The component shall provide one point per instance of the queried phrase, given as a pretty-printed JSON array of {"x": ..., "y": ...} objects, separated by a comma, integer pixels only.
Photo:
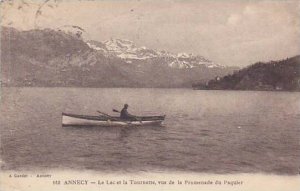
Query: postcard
[{"x": 150, "y": 95}]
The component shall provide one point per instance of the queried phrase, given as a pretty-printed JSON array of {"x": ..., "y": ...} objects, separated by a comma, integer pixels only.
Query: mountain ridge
[
  {"x": 128, "y": 51},
  {"x": 47, "y": 57}
]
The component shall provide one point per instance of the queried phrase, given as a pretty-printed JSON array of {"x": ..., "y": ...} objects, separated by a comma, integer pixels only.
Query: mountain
[
  {"x": 130, "y": 53},
  {"x": 281, "y": 75},
  {"x": 58, "y": 58}
]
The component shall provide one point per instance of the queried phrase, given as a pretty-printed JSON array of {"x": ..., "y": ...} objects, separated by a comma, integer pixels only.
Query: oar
[
  {"x": 117, "y": 111},
  {"x": 109, "y": 116},
  {"x": 105, "y": 114},
  {"x": 114, "y": 110}
]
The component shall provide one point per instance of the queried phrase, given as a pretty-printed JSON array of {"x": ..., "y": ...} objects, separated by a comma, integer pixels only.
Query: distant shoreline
[{"x": 188, "y": 88}]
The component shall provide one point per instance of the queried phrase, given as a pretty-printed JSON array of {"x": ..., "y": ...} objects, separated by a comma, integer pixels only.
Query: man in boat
[{"x": 125, "y": 115}]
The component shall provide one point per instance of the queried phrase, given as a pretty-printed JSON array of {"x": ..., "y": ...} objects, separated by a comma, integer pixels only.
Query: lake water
[{"x": 204, "y": 131}]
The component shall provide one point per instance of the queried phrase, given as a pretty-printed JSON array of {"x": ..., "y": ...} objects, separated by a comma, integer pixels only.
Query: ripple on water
[{"x": 200, "y": 133}]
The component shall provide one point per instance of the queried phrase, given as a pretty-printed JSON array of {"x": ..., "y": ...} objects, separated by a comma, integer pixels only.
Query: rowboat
[{"x": 106, "y": 121}]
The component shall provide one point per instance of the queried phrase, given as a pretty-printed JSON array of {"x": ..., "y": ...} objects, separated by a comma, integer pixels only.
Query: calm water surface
[{"x": 205, "y": 131}]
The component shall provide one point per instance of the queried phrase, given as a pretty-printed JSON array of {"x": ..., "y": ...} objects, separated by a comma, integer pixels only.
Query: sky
[{"x": 228, "y": 32}]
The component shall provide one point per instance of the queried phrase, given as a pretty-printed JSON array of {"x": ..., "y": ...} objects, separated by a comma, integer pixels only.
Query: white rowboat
[{"x": 105, "y": 121}]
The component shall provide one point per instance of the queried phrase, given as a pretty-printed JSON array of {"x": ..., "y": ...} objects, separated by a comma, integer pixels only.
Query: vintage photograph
[{"x": 156, "y": 90}]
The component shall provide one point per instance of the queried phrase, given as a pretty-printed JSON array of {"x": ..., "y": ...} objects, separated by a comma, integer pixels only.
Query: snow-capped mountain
[
  {"x": 60, "y": 58},
  {"x": 123, "y": 49},
  {"x": 130, "y": 53}
]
